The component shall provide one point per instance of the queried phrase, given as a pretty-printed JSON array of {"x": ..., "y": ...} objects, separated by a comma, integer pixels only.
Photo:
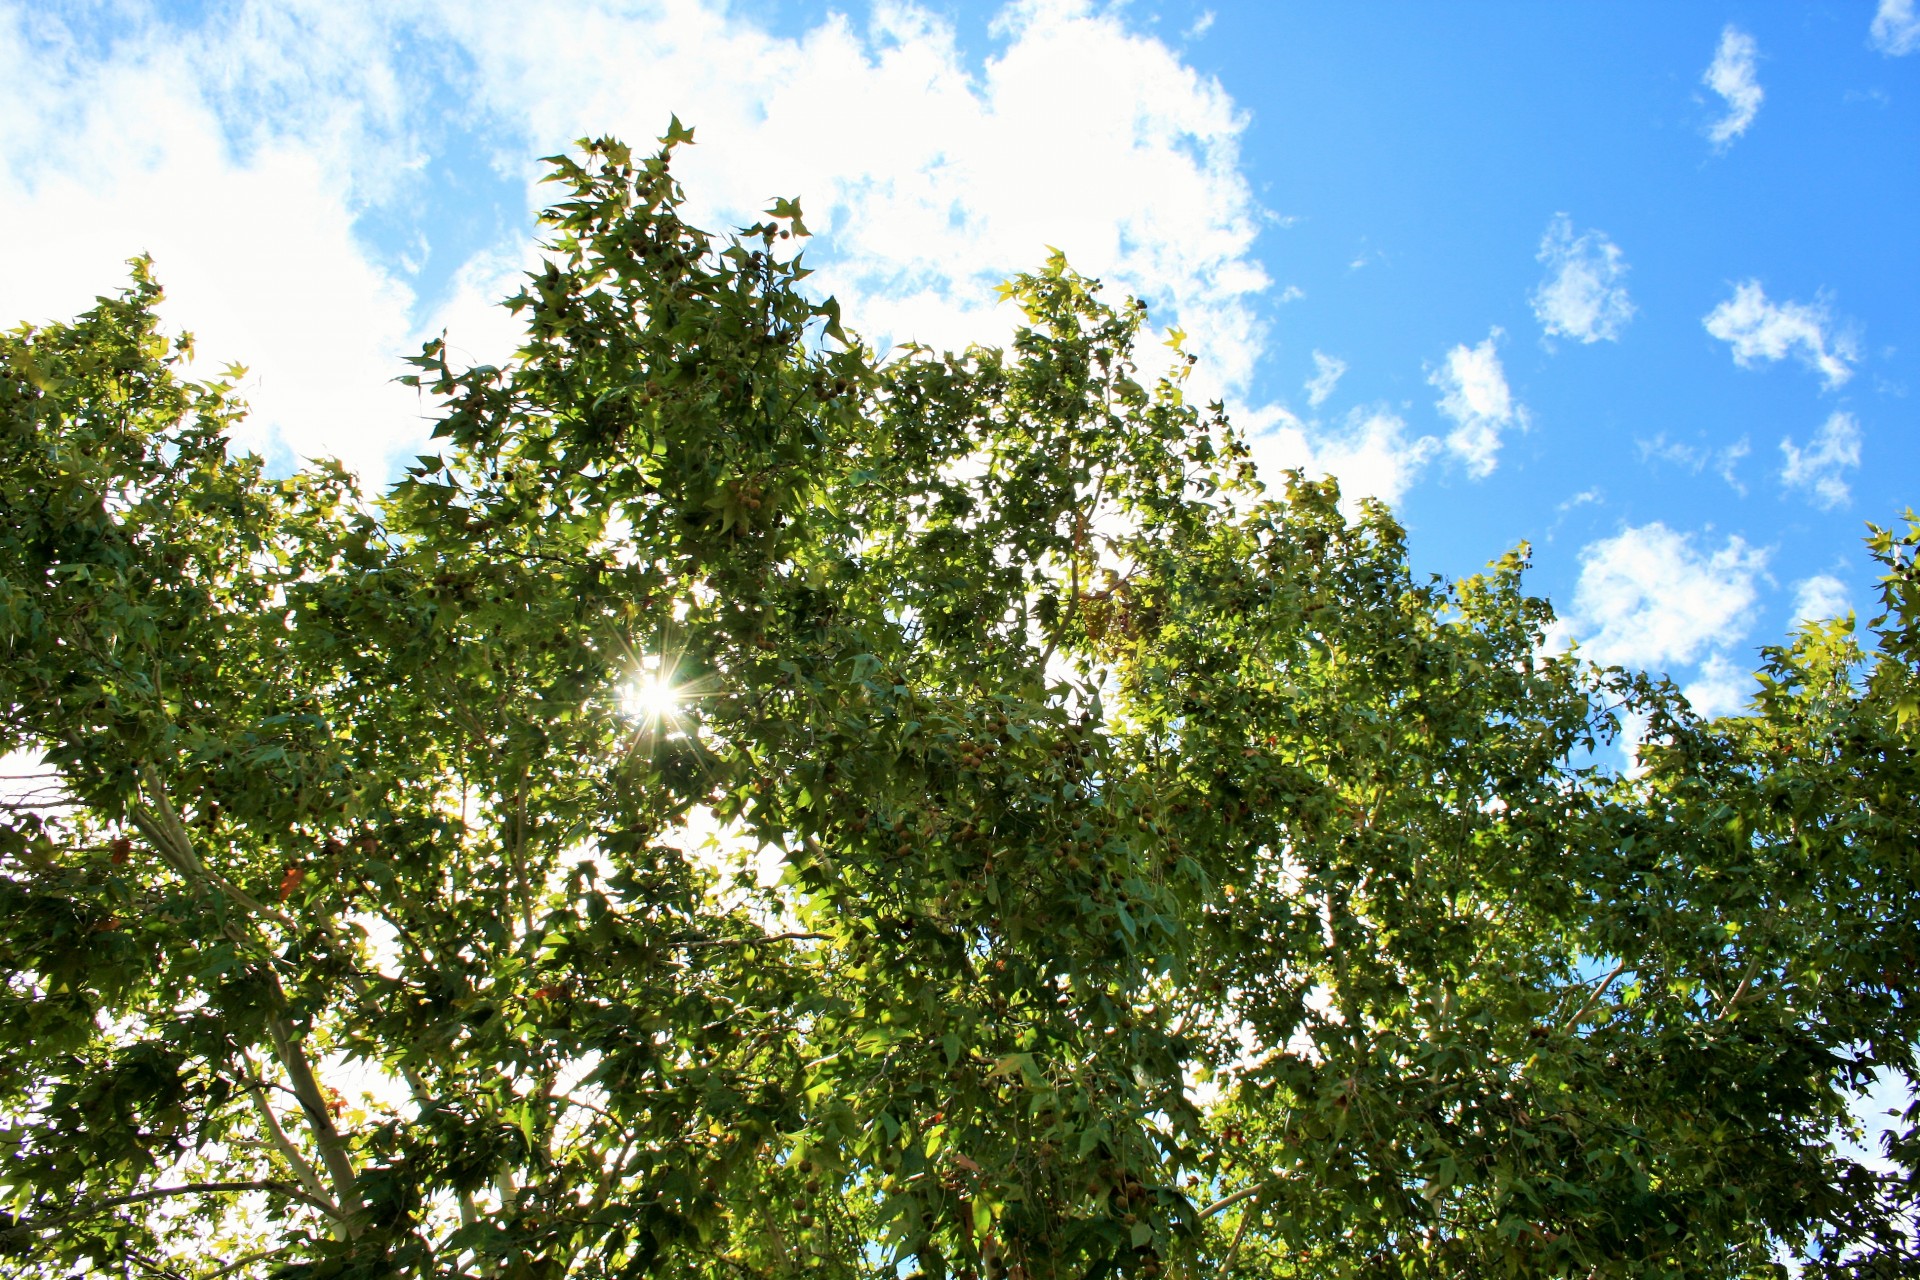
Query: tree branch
[
  {"x": 169, "y": 835},
  {"x": 238, "y": 1263},
  {"x": 1753, "y": 967},
  {"x": 1592, "y": 997},
  {"x": 745, "y": 942},
  {"x": 302, "y": 1168},
  {"x": 151, "y": 1265},
  {"x": 1227, "y": 1202},
  {"x": 1233, "y": 1250},
  {"x": 28, "y": 1226},
  {"x": 333, "y": 1152},
  {"x": 520, "y": 854}
]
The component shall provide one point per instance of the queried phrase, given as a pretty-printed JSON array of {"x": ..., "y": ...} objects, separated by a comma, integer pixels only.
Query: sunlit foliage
[{"x": 745, "y": 807}]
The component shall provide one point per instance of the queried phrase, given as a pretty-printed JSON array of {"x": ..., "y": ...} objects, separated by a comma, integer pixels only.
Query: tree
[{"x": 745, "y": 808}]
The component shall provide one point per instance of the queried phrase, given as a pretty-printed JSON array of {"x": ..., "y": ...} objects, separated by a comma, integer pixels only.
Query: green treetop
[{"x": 1154, "y": 877}]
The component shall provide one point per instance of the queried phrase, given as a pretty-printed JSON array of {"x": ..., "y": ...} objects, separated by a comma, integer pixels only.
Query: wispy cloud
[
  {"x": 1661, "y": 449},
  {"x": 1328, "y": 370},
  {"x": 1583, "y": 296},
  {"x": 1896, "y": 28},
  {"x": 1734, "y": 76},
  {"x": 1761, "y": 330},
  {"x": 1819, "y": 469},
  {"x": 1727, "y": 462},
  {"x": 1475, "y": 395},
  {"x": 1696, "y": 458},
  {"x": 1649, "y": 597},
  {"x": 1819, "y": 598},
  {"x": 1583, "y": 498}
]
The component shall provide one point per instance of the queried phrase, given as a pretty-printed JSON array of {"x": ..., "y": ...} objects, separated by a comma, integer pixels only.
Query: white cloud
[
  {"x": 247, "y": 154},
  {"x": 1647, "y": 597},
  {"x": 1728, "y": 459},
  {"x": 1733, "y": 76},
  {"x": 1633, "y": 740},
  {"x": 1820, "y": 597},
  {"x": 1328, "y": 370},
  {"x": 1583, "y": 296},
  {"x": 1078, "y": 133},
  {"x": 1819, "y": 468},
  {"x": 1722, "y": 687},
  {"x": 1370, "y": 451},
  {"x": 1896, "y": 28},
  {"x": 1661, "y": 449},
  {"x": 254, "y": 243},
  {"x": 1476, "y": 397},
  {"x": 1581, "y": 499},
  {"x": 1761, "y": 330}
]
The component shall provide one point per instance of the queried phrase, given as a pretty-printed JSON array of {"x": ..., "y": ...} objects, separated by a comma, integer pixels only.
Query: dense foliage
[{"x": 745, "y": 808}]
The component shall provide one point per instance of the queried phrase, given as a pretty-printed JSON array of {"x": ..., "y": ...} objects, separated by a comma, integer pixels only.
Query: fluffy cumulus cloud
[
  {"x": 1650, "y": 597},
  {"x": 1584, "y": 294},
  {"x": 1721, "y": 688},
  {"x": 1474, "y": 394},
  {"x": 1819, "y": 598},
  {"x": 1327, "y": 372},
  {"x": 1369, "y": 450},
  {"x": 253, "y": 238},
  {"x": 1896, "y": 28},
  {"x": 1819, "y": 470},
  {"x": 1734, "y": 75},
  {"x": 252, "y": 157},
  {"x": 1761, "y": 330},
  {"x": 926, "y": 180}
]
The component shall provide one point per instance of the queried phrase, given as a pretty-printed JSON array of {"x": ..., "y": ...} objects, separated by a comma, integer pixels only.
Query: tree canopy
[{"x": 747, "y": 808}]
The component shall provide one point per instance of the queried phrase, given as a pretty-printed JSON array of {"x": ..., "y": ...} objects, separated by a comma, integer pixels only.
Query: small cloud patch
[
  {"x": 1734, "y": 76},
  {"x": 1819, "y": 598},
  {"x": 1370, "y": 451},
  {"x": 1328, "y": 370},
  {"x": 1475, "y": 395},
  {"x": 1896, "y": 28},
  {"x": 1650, "y": 597},
  {"x": 1819, "y": 470},
  {"x": 1760, "y": 330},
  {"x": 1584, "y": 295}
]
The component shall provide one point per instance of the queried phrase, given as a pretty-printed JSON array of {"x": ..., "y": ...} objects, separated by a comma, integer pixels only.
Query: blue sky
[{"x": 1634, "y": 282}]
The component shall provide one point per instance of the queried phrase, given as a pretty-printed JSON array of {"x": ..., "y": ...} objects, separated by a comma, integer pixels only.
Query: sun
[{"x": 651, "y": 697}]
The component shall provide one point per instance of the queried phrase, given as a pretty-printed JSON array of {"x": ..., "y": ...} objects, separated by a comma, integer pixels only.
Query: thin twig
[
  {"x": 238, "y": 1263},
  {"x": 745, "y": 942},
  {"x": 151, "y": 1265}
]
